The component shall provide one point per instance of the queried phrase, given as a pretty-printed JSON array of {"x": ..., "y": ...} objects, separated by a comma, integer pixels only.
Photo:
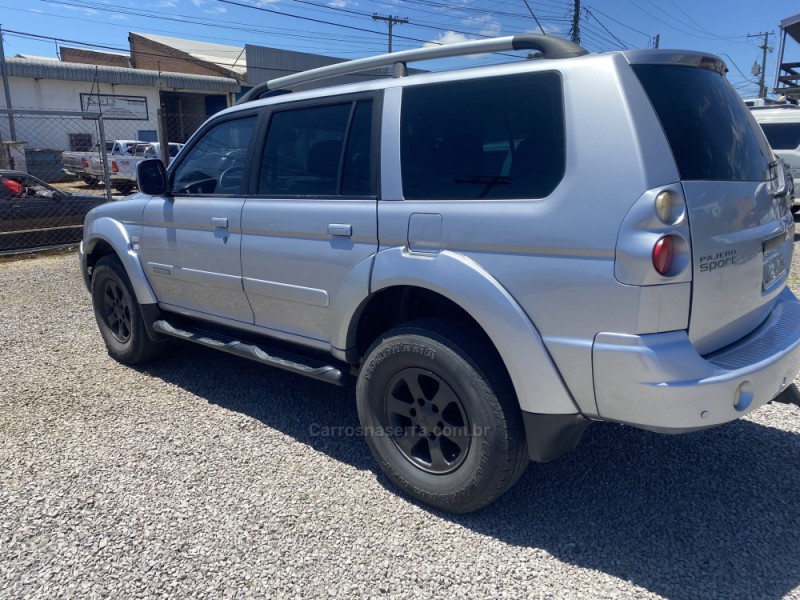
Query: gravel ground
[{"x": 202, "y": 475}]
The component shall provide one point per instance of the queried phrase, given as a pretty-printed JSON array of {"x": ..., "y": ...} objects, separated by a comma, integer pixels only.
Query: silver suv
[{"x": 502, "y": 255}]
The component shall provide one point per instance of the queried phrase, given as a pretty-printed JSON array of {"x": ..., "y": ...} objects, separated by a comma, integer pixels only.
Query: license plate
[{"x": 774, "y": 267}]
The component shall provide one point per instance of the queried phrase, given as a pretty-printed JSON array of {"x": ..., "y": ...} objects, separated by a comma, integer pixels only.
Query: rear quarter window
[
  {"x": 499, "y": 137},
  {"x": 782, "y": 136},
  {"x": 711, "y": 132}
]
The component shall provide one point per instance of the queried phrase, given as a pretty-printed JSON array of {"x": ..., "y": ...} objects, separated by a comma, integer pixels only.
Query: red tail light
[
  {"x": 85, "y": 162},
  {"x": 663, "y": 253},
  {"x": 114, "y": 166}
]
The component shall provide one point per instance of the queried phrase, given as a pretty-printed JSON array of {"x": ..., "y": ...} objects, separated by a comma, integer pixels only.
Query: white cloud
[
  {"x": 86, "y": 11},
  {"x": 216, "y": 10},
  {"x": 549, "y": 28},
  {"x": 339, "y": 3},
  {"x": 198, "y": 2},
  {"x": 488, "y": 25},
  {"x": 449, "y": 37},
  {"x": 116, "y": 17},
  {"x": 167, "y": 4}
]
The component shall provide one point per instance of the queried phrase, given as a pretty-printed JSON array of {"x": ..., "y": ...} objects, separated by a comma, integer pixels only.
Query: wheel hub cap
[
  {"x": 427, "y": 421},
  {"x": 117, "y": 311}
]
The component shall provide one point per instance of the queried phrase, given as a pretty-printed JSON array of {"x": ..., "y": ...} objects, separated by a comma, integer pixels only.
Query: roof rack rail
[{"x": 550, "y": 47}]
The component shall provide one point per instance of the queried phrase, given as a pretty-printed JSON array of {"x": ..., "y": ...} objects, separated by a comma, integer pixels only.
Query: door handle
[
  {"x": 340, "y": 229},
  {"x": 219, "y": 222}
]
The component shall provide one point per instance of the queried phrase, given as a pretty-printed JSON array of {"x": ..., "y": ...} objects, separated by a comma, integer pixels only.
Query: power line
[
  {"x": 668, "y": 24},
  {"x": 647, "y": 35},
  {"x": 589, "y": 13},
  {"x": 185, "y": 19},
  {"x": 534, "y": 16}
]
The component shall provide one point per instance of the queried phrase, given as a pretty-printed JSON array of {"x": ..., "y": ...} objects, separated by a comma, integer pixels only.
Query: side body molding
[
  {"x": 536, "y": 380},
  {"x": 114, "y": 233}
]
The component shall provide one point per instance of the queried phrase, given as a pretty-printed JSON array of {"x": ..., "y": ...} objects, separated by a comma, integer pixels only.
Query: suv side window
[
  {"x": 303, "y": 152},
  {"x": 782, "y": 136},
  {"x": 215, "y": 164},
  {"x": 489, "y": 138}
]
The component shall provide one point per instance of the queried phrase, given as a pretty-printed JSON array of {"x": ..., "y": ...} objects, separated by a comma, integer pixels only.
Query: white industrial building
[{"x": 128, "y": 99}]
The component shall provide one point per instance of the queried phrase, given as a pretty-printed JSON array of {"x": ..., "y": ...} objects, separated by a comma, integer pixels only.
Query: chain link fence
[{"x": 55, "y": 166}]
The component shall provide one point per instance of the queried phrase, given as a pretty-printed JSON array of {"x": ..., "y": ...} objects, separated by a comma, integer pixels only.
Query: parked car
[
  {"x": 117, "y": 152},
  {"x": 34, "y": 214},
  {"x": 88, "y": 165},
  {"x": 153, "y": 150},
  {"x": 77, "y": 164},
  {"x": 502, "y": 255},
  {"x": 123, "y": 168},
  {"x": 781, "y": 124}
]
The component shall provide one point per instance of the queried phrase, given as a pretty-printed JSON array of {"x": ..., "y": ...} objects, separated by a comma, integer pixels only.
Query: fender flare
[
  {"x": 114, "y": 234},
  {"x": 536, "y": 379}
]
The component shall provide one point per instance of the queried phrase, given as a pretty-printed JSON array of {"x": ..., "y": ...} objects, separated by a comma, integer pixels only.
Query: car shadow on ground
[{"x": 707, "y": 514}]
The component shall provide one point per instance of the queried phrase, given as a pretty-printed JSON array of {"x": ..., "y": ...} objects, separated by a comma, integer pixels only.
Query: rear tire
[
  {"x": 118, "y": 315},
  {"x": 440, "y": 415}
]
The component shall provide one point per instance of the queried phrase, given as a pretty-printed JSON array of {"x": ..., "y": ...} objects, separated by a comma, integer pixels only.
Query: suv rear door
[
  {"x": 741, "y": 231},
  {"x": 310, "y": 227}
]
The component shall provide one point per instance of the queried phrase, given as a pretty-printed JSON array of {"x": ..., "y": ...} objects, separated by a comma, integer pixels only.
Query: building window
[
  {"x": 80, "y": 142},
  {"x": 147, "y": 135}
]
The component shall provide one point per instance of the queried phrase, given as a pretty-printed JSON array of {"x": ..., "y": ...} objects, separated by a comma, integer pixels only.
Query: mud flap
[{"x": 791, "y": 395}]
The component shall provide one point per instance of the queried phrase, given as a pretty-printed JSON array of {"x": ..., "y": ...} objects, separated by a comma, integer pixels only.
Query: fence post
[
  {"x": 4, "y": 67},
  {"x": 163, "y": 140},
  {"x": 104, "y": 157}
]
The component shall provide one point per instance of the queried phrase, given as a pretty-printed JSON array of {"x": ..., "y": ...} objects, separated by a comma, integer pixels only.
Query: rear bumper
[{"x": 660, "y": 382}]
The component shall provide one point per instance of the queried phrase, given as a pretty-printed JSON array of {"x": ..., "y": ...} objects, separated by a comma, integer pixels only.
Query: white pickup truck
[
  {"x": 123, "y": 168},
  {"x": 88, "y": 164}
]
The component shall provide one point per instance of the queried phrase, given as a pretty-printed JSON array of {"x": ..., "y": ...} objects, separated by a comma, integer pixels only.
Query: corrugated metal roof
[
  {"x": 264, "y": 64},
  {"x": 37, "y": 69},
  {"x": 228, "y": 57}
]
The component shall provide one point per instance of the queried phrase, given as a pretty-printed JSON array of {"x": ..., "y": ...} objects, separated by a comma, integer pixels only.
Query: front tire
[
  {"x": 118, "y": 315},
  {"x": 440, "y": 415}
]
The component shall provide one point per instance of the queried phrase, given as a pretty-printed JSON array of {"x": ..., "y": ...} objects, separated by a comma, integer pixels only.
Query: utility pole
[
  {"x": 576, "y": 23},
  {"x": 657, "y": 41},
  {"x": 4, "y": 69},
  {"x": 391, "y": 20},
  {"x": 762, "y": 88}
]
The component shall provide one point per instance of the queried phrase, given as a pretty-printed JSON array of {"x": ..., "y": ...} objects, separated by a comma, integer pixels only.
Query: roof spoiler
[{"x": 550, "y": 47}]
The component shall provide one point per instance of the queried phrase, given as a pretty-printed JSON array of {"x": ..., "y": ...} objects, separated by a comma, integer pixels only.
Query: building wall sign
[{"x": 122, "y": 108}]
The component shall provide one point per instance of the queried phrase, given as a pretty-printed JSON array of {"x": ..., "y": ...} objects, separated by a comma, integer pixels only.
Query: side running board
[{"x": 273, "y": 358}]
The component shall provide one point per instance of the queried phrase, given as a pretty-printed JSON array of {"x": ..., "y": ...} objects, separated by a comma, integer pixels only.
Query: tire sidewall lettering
[{"x": 395, "y": 349}]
